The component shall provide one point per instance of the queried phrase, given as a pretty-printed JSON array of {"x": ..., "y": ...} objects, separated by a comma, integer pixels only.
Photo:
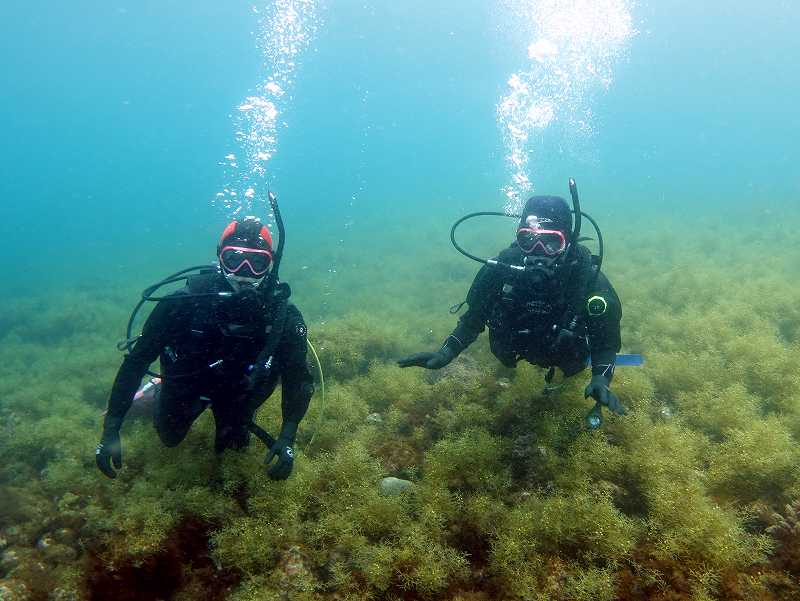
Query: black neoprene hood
[{"x": 553, "y": 208}]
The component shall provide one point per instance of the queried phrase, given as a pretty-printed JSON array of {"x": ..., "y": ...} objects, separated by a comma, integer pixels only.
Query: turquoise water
[{"x": 115, "y": 118}]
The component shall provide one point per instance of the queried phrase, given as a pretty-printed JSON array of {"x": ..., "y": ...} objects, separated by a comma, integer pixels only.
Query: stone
[
  {"x": 464, "y": 370},
  {"x": 391, "y": 486}
]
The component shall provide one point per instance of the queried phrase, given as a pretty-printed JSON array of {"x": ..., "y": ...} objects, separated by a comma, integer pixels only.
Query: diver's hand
[
  {"x": 282, "y": 449},
  {"x": 599, "y": 391},
  {"x": 109, "y": 449},
  {"x": 435, "y": 360}
]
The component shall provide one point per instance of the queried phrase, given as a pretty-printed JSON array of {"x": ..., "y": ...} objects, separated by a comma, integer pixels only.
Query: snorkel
[
  {"x": 576, "y": 209},
  {"x": 276, "y": 212}
]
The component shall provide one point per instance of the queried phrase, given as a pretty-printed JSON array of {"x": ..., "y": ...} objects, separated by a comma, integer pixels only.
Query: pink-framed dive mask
[
  {"x": 533, "y": 239},
  {"x": 245, "y": 262}
]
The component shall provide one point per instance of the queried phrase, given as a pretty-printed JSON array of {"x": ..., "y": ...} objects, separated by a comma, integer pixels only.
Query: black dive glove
[
  {"x": 282, "y": 449},
  {"x": 599, "y": 391},
  {"x": 109, "y": 449},
  {"x": 435, "y": 360}
]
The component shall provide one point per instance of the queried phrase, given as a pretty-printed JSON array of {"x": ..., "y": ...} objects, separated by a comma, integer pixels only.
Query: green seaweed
[{"x": 684, "y": 498}]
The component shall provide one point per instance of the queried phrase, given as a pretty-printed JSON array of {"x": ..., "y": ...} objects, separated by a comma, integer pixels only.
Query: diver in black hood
[
  {"x": 545, "y": 301},
  {"x": 224, "y": 341}
]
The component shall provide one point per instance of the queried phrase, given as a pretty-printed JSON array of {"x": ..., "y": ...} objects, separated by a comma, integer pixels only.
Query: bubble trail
[
  {"x": 285, "y": 30},
  {"x": 573, "y": 47}
]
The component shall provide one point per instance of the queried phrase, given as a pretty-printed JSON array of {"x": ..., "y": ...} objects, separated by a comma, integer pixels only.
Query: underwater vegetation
[{"x": 694, "y": 495}]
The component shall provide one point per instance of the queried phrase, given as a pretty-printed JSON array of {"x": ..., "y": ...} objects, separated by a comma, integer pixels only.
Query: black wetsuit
[
  {"x": 547, "y": 324},
  {"x": 224, "y": 352}
]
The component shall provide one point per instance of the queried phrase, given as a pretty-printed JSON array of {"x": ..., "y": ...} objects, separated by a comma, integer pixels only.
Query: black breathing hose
[
  {"x": 147, "y": 295},
  {"x": 576, "y": 232},
  {"x": 470, "y": 216}
]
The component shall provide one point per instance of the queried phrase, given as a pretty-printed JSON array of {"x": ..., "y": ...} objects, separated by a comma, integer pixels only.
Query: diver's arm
[
  {"x": 133, "y": 368},
  {"x": 469, "y": 327},
  {"x": 297, "y": 388},
  {"x": 134, "y": 365},
  {"x": 604, "y": 327},
  {"x": 297, "y": 385},
  {"x": 479, "y": 297},
  {"x": 604, "y": 312}
]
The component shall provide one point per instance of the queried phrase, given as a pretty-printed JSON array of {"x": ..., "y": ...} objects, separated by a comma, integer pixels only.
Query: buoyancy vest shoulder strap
[
  {"x": 577, "y": 288},
  {"x": 280, "y": 310}
]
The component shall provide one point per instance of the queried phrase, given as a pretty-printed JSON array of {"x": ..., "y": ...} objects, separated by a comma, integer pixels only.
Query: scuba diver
[
  {"x": 545, "y": 301},
  {"x": 224, "y": 341}
]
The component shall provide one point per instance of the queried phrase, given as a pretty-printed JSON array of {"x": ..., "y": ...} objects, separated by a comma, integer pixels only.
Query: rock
[
  {"x": 504, "y": 382},
  {"x": 464, "y": 370},
  {"x": 391, "y": 486},
  {"x": 665, "y": 412},
  {"x": 374, "y": 418}
]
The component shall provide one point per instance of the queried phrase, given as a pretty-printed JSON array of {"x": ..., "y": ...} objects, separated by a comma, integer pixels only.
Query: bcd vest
[
  {"x": 543, "y": 324},
  {"x": 225, "y": 334}
]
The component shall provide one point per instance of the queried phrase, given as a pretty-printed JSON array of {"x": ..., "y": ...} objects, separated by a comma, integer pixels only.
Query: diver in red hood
[{"x": 224, "y": 340}]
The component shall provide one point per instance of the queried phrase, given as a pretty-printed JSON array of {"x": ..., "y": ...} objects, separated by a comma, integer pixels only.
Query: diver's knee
[
  {"x": 572, "y": 369},
  {"x": 170, "y": 438}
]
